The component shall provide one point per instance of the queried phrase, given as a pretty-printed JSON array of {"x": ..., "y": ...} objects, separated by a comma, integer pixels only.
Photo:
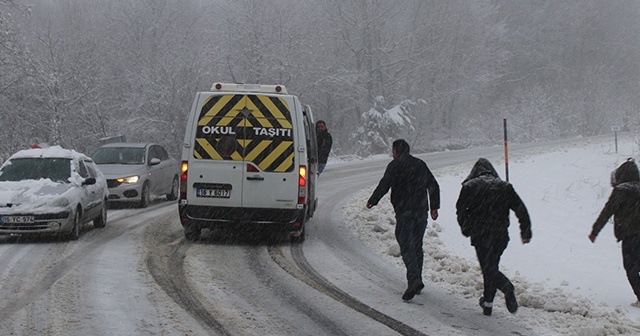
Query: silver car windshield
[
  {"x": 119, "y": 155},
  {"x": 56, "y": 169}
]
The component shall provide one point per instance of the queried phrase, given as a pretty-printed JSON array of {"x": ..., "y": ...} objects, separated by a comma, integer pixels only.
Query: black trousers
[
  {"x": 631, "y": 261},
  {"x": 410, "y": 228},
  {"x": 489, "y": 250}
]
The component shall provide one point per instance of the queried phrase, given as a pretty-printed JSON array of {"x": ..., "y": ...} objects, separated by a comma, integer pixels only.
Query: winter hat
[{"x": 627, "y": 172}]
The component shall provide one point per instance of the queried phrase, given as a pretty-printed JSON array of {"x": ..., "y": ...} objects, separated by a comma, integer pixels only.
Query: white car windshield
[
  {"x": 19, "y": 169},
  {"x": 119, "y": 155}
]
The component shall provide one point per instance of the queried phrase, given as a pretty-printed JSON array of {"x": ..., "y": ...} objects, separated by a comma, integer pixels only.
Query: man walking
[
  {"x": 483, "y": 214},
  {"x": 325, "y": 141},
  {"x": 412, "y": 186}
]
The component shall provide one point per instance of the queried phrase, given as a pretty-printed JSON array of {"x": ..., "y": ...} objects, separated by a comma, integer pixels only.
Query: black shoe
[
  {"x": 420, "y": 287},
  {"x": 485, "y": 310},
  {"x": 412, "y": 290},
  {"x": 512, "y": 303}
]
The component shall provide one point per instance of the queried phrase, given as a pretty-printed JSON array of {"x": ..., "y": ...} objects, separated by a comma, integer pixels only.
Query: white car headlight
[{"x": 130, "y": 179}]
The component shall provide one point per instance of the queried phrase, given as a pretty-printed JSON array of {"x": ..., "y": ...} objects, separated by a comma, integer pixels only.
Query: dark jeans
[
  {"x": 489, "y": 251},
  {"x": 631, "y": 261},
  {"x": 410, "y": 228}
]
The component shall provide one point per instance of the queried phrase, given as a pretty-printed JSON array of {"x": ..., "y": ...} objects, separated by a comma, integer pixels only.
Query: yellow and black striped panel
[{"x": 252, "y": 128}]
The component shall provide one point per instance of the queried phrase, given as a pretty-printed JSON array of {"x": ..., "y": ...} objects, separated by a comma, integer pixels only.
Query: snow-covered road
[{"x": 138, "y": 276}]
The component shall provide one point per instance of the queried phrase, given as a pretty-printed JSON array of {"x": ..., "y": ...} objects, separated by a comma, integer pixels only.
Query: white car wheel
[
  {"x": 101, "y": 220},
  {"x": 75, "y": 231}
]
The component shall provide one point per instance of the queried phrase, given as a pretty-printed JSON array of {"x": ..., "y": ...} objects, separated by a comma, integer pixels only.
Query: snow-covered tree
[
  {"x": 380, "y": 126},
  {"x": 75, "y": 71}
]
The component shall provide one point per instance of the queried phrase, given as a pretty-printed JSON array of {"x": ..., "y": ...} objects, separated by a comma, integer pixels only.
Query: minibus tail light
[
  {"x": 184, "y": 169},
  {"x": 302, "y": 185}
]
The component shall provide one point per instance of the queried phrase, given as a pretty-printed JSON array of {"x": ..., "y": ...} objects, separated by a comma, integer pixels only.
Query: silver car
[
  {"x": 51, "y": 191},
  {"x": 138, "y": 172}
]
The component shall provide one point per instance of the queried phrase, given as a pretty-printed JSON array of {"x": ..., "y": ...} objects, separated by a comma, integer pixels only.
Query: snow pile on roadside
[{"x": 545, "y": 307}]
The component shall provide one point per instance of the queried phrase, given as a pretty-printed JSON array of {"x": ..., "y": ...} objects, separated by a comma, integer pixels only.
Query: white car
[
  {"x": 51, "y": 191},
  {"x": 138, "y": 172}
]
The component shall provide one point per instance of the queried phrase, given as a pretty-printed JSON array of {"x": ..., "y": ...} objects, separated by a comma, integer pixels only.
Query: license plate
[
  {"x": 17, "y": 219},
  {"x": 220, "y": 193}
]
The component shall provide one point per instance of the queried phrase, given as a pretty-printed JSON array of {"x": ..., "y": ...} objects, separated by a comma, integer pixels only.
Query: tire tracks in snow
[
  {"x": 60, "y": 264},
  {"x": 259, "y": 268},
  {"x": 166, "y": 259},
  {"x": 304, "y": 272},
  {"x": 165, "y": 262}
]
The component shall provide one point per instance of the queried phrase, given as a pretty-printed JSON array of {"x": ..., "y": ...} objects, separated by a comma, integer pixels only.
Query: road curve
[{"x": 139, "y": 276}]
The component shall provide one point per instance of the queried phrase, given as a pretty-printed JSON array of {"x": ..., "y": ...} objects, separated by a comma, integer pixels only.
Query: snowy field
[{"x": 565, "y": 284}]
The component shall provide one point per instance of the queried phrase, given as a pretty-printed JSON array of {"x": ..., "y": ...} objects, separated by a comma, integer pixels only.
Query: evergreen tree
[{"x": 380, "y": 126}]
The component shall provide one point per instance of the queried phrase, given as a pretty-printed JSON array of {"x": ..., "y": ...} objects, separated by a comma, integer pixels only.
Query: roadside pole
[
  {"x": 615, "y": 127},
  {"x": 506, "y": 149}
]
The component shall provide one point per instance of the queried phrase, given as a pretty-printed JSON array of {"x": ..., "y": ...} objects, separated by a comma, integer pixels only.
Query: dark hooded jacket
[
  {"x": 623, "y": 203},
  {"x": 484, "y": 204},
  {"x": 325, "y": 141},
  {"x": 410, "y": 180}
]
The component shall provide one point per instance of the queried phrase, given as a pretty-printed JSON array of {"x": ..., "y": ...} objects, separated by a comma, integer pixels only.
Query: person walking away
[
  {"x": 624, "y": 206},
  {"x": 325, "y": 141},
  {"x": 482, "y": 211},
  {"x": 410, "y": 181}
]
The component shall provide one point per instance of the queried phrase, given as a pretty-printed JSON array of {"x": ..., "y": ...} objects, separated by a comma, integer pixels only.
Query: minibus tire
[{"x": 191, "y": 233}]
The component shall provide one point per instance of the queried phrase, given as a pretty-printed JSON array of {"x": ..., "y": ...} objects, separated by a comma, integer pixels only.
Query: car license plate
[
  {"x": 17, "y": 219},
  {"x": 220, "y": 193}
]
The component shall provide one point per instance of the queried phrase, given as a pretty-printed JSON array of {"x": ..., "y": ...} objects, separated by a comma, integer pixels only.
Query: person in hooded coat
[
  {"x": 624, "y": 206},
  {"x": 412, "y": 186},
  {"x": 482, "y": 211},
  {"x": 325, "y": 141}
]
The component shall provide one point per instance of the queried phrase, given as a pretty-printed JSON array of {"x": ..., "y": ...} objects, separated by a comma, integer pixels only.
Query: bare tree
[
  {"x": 11, "y": 73},
  {"x": 160, "y": 55},
  {"x": 78, "y": 71},
  {"x": 64, "y": 71}
]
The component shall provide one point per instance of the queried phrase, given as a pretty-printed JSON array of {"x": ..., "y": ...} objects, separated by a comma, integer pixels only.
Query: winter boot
[
  {"x": 487, "y": 307},
  {"x": 512, "y": 303},
  {"x": 412, "y": 290}
]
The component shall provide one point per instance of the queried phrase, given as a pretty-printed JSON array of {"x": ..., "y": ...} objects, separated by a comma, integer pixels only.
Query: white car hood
[
  {"x": 112, "y": 171},
  {"x": 35, "y": 196}
]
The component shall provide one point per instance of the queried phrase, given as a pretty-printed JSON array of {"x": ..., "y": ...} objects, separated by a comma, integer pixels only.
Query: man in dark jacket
[
  {"x": 325, "y": 141},
  {"x": 483, "y": 214},
  {"x": 410, "y": 181},
  {"x": 624, "y": 206}
]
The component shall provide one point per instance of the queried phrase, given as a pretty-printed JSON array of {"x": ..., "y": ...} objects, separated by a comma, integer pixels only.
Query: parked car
[
  {"x": 51, "y": 191},
  {"x": 138, "y": 172}
]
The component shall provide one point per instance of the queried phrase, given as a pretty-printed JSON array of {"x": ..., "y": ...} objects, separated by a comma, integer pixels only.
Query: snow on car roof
[
  {"x": 127, "y": 144},
  {"x": 49, "y": 152}
]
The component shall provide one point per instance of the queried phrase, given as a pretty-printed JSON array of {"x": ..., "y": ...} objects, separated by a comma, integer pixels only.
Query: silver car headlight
[{"x": 130, "y": 179}]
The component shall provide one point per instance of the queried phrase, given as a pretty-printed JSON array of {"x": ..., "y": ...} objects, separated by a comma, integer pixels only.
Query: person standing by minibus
[{"x": 325, "y": 141}]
